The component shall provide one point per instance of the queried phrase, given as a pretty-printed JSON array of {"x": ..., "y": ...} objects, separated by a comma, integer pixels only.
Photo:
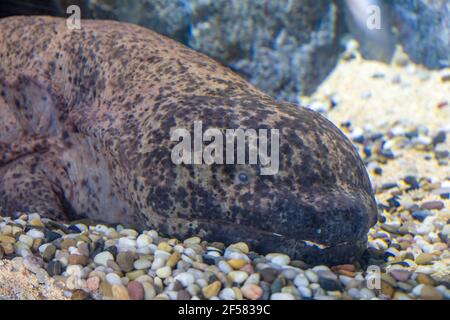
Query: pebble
[
  {"x": 164, "y": 272},
  {"x": 113, "y": 278},
  {"x": 136, "y": 290},
  {"x": 119, "y": 292},
  {"x": 227, "y": 294},
  {"x": 400, "y": 274},
  {"x": 125, "y": 260},
  {"x": 237, "y": 276},
  {"x": 237, "y": 263},
  {"x": 269, "y": 274},
  {"x": 282, "y": 296},
  {"x": 93, "y": 283},
  {"x": 424, "y": 258},
  {"x": 103, "y": 257},
  {"x": 427, "y": 292},
  {"x": 211, "y": 290},
  {"x": 277, "y": 258},
  {"x": 77, "y": 259},
  {"x": 185, "y": 279},
  {"x": 252, "y": 291}
]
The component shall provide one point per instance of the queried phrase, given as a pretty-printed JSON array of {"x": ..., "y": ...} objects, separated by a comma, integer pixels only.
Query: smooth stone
[
  {"x": 301, "y": 280},
  {"x": 253, "y": 279},
  {"x": 119, "y": 292},
  {"x": 211, "y": 290},
  {"x": 227, "y": 294},
  {"x": 192, "y": 240},
  {"x": 103, "y": 257},
  {"x": 432, "y": 205},
  {"x": 427, "y": 292},
  {"x": 79, "y": 295},
  {"x": 224, "y": 267},
  {"x": 305, "y": 292},
  {"x": 241, "y": 246},
  {"x": 143, "y": 241},
  {"x": 7, "y": 239},
  {"x": 424, "y": 258},
  {"x": 237, "y": 276},
  {"x": 366, "y": 294},
  {"x": 387, "y": 289},
  {"x": 282, "y": 296},
  {"x": 252, "y": 291},
  {"x": 133, "y": 275},
  {"x": 425, "y": 279},
  {"x": 149, "y": 290},
  {"x": 278, "y": 258},
  {"x": 78, "y": 259},
  {"x": 183, "y": 295},
  {"x": 185, "y": 279},
  {"x": 312, "y": 276},
  {"x": 269, "y": 274},
  {"x": 125, "y": 260},
  {"x": 400, "y": 274},
  {"x": 164, "y": 272},
  {"x": 289, "y": 274},
  {"x": 93, "y": 283},
  {"x": 141, "y": 264},
  {"x": 49, "y": 253},
  {"x": 26, "y": 239},
  {"x": 173, "y": 259},
  {"x": 67, "y": 243},
  {"x": 113, "y": 278},
  {"x": 237, "y": 263},
  {"x": 136, "y": 290},
  {"x": 54, "y": 268},
  {"x": 35, "y": 234},
  {"x": 330, "y": 283}
]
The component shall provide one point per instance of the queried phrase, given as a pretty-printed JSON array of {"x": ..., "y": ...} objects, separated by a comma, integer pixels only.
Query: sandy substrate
[
  {"x": 377, "y": 95},
  {"x": 20, "y": 284}
]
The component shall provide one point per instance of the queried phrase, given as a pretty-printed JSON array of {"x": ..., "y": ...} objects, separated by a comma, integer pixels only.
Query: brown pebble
[
  {"x": 424, "y": 258},
  {"x": 119, "y": 292},
  {"x": 106, "y": 289},
  {"x": 67, "y": 243},
  {"x": 430, "y": 293},
  {"x": 432, "y": 205},
  {"x": 79, "y": 295},
  {"x": 387, "y": 289},
  {"x": 425, "y": 279},
  {"x": 77, "y": 259}
]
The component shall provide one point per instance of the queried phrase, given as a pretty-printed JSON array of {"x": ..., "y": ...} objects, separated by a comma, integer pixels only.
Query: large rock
[
  {"x": 284, "y": 47},
  {"x": 424, "y": 30}
]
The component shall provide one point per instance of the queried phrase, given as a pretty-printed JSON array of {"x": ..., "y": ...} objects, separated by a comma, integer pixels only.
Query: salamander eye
[{"x": 243, "y": 177}]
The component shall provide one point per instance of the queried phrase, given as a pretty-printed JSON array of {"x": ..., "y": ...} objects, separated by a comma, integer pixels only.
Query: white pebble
[
  {"x": 282, "y": 296},
  {"x": 35, "y": 234},
  {"x": 227, "y": 294},
  {"x": 185, "y": 279},
  {"x": 103, "y": 257},
  {"x": 113, "y": 278}
]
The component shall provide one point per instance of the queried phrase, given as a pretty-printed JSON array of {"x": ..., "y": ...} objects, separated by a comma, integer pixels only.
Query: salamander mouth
[{"x": 311, "y": 251}]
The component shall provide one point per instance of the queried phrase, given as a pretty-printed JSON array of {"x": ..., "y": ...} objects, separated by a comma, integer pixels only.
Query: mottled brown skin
[{"x": 86, "y": 122}]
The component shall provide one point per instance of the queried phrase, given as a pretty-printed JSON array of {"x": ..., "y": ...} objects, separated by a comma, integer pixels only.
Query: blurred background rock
[{"x": 284, "y": 47}]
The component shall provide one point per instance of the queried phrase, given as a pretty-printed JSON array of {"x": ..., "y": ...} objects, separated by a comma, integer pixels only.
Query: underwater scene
[{"x": 224, "y": 150}]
